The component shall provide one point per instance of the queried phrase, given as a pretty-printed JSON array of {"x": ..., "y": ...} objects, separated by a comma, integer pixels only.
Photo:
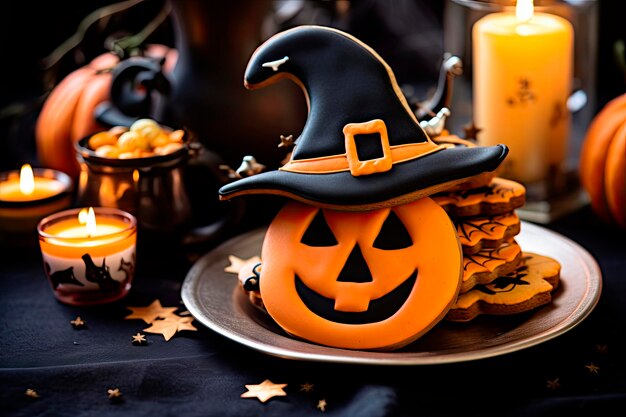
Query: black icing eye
[
  {"x": 318, "y": 233},
  {"x": 393, "y": 234}
]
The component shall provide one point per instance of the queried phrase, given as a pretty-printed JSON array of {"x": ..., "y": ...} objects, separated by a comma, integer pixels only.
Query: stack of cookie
[{"x": 499, "y": 277}]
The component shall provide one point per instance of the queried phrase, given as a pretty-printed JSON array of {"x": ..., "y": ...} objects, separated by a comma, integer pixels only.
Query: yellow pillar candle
[{"x": 522, "y": 79}]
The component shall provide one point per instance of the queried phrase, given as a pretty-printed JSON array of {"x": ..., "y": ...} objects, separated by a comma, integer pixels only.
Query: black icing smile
[{"x": 378, "y": 310}]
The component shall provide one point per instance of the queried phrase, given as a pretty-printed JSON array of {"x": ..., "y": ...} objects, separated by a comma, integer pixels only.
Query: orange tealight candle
[
  {"x": 30, "y": 194},
  {"x": 89, "y": 254},
  {"x": 522, "y": 79},
  {"x": 27, "y": 187}
]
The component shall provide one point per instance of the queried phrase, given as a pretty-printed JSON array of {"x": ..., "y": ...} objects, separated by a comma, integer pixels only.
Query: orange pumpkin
[
  {"x": 360, "y": 280},
  {"x": 603, "y": 162},
  {"x": 67, "y": 115}
]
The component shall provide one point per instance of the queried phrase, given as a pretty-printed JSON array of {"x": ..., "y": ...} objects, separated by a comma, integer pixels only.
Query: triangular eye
[
  {"x": 318, "y": 233},
  {"x": 393, "y": 234}
]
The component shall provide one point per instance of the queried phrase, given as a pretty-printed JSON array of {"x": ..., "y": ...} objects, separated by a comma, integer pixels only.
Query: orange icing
[
  {"x": 500, "y": 190},
  {"x": 435, "y": 254},
  {"x": 523, "y": 284},
  {"x": 473, "y": 231},
  {"x": 489, "y": 259},
  {"x": 349, "y": 161}
]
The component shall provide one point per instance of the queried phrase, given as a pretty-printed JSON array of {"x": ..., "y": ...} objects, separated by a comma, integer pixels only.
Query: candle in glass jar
[
  {"x": 522, "y": 69},
  {"x": 30, "y": 194},
  {"x": 28, "y": 187},
  {"x": 89, "y": 254}
]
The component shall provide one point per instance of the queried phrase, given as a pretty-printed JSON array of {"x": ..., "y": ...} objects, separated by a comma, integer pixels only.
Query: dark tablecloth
[{"x": 201, "y": 373}]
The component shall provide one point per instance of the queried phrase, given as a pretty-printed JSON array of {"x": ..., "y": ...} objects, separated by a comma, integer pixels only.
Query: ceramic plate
[{"x": 214, "y": 298}]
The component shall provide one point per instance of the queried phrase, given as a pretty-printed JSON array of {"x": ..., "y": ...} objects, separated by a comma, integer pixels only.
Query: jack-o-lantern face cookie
[
  {"x": 528, "y": 287},
  {"x": 360, "y": 280},
  {"x": 498, "y": 197}
]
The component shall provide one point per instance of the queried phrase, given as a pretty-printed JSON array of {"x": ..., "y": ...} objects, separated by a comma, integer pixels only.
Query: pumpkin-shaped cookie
[{"x": 360, "y": 280}]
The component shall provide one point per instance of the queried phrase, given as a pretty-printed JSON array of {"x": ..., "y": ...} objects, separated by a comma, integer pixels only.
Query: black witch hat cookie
[{"x": 361, "y": 147}]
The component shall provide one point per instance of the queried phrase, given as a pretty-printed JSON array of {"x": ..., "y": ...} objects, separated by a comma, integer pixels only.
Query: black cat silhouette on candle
[
  {"x": 64, "y": 276},
  {"x": 99, "y": 274}
]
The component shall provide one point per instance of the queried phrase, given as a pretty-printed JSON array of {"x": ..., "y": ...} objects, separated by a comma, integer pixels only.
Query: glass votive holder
[
  {"x": 89, "y": 255},
  {"x": 20, "y": 211},
  {"x": 529, "y": 84}
]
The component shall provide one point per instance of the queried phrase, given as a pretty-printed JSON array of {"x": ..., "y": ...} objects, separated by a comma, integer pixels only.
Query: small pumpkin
[
  {"x": 360, "y": 280},
  {"x": 67, "y": 115},
  {"x": 603, "y": 162}
]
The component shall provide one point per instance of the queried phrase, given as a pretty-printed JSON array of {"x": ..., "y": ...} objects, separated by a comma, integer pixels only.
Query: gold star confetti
[
  {"x": 593, "y": 369},
  {"x": 139, "y": 339},
  {"x": 31, "y": 393},
  {"x": 264, "y": 391},
  {"x": 306, "y": 387},
  {"x": 602, "y": 349},
  {"x": 170, "y": 325},
  {"x": 553, "y": 384},
  {"x": 114, "y": 393},
  {"x": 151, "y": 313},
  {"x": 286, "y": 141},
  {"x": 78, "y": 323},
  {"x": 471, "y": 131},
  {"x": 237, "y": 263},
  {"x": 321, "y": 405}
]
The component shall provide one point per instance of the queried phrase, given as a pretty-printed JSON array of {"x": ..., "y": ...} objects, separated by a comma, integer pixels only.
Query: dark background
[
  {"x": 201, "y": 373},
  {"x": 407, "y": 33}
]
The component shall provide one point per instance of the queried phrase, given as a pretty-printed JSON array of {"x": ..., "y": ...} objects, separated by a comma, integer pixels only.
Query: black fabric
[{"x": 203, "y": 374}]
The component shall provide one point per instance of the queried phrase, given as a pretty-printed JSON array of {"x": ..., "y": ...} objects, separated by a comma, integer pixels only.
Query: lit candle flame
[
  {"x": 27, "y": 180},
  {"x": 88, "y": 218},
  {"x": 524, "y": 10}
]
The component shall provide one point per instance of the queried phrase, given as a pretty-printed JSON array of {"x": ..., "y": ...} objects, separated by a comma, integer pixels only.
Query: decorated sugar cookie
[
  {"x": 528, "y": 287},
  {"x": 486, "y": 265},
  {"x": 362, "y": 147},
  {"x": 360, "y": 280},
  {"x": 479, "y": 233},
  {"x": 498, "y": 197}
]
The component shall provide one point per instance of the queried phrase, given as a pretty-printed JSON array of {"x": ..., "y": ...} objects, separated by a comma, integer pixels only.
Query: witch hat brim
[
  {"x": 411, "y": 180},
  {"x": 362, "y": 146}
]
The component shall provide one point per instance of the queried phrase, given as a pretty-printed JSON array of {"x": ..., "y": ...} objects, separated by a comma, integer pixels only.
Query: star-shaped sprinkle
[
  {"x": 31, "y": 393},
  {"x": 593, "y": 369},
  {"x": 170, "y": 325},
  {"x": 553, "y": 384},
  {"x": 306, "y": 387},
  {"x": 139, "y": 339},
  {"x": 471, "y": 131},
  {"x": 151, "y": 313},
  {"x": 114, "y": 393},
  {"x": 78, "y": 323},
  {"x": 321, "y": 405},
  {"x": 602, "y": 349},
  {"x": 237, "y": 263},
  {"x": 286, "y": 141},
  {"x": 264, "y": 391}
]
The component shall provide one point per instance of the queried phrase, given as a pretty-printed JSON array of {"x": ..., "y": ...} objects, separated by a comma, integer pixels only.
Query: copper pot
[{"x": 173, "y": 196}]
